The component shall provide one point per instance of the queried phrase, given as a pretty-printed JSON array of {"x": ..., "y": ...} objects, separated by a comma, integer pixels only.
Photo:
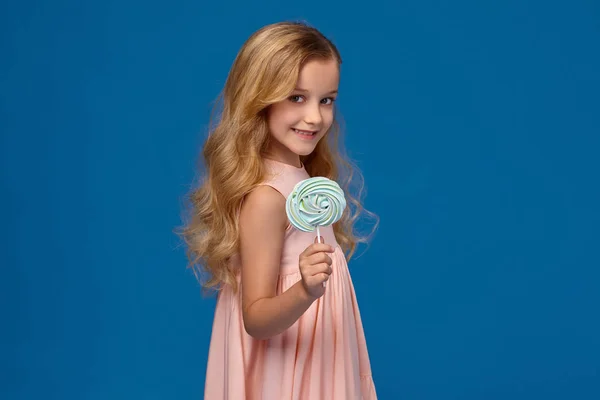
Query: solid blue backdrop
[{"x": 476, "y": 126}]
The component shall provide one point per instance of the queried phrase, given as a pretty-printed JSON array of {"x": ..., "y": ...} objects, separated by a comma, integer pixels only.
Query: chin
[
  {"x": 304, "y": 149},
  {"x": 304, "y": 152}
]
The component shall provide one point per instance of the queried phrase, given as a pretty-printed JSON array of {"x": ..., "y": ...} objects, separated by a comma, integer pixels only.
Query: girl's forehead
[{"x": 319, "y": 75}]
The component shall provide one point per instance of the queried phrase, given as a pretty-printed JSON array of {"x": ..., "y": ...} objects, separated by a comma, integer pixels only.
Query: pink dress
[{"x": 323, "y": 356}]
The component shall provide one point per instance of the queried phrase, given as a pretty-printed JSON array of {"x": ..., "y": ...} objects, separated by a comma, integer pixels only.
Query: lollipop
[{"x": 315, "y": 202}]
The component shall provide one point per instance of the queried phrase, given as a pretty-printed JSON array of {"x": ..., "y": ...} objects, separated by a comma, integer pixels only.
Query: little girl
[{"x": 287, "y": 323}]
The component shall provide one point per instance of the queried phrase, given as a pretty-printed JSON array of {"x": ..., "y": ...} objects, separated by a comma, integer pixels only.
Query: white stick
[{"x": 319, "y": 241}]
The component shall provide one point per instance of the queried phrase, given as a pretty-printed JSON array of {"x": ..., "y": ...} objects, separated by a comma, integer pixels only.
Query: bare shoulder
[{"x": 263, "y": 208}]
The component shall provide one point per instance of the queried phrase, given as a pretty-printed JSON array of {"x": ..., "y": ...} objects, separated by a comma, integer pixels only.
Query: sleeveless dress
[{"x": 322, "y": 356}]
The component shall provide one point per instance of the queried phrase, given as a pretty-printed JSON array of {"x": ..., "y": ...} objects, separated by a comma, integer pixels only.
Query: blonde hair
[{"x": 264, "y": 72}]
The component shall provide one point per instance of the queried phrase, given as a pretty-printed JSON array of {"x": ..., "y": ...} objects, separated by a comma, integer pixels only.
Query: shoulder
[
  {"x": 264, "y": 198},
  {"x": 264, "y": 207}
]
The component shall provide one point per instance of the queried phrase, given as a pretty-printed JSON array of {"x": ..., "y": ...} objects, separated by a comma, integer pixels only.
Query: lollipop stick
[{"x": 319, "y": 241}]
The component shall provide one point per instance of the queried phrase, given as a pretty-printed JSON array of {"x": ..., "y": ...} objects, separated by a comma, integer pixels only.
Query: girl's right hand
[{"x": 315, "y": 268}]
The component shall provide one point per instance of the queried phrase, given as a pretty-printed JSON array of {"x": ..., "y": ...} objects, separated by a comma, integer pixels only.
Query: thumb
[{"x": 319, "y": 237}]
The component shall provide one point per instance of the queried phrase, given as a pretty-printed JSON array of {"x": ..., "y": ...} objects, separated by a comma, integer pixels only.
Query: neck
[{"x": 293, "y": 161}]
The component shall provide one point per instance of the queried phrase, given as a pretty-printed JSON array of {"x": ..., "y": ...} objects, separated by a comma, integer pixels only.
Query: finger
[
  {"x": 317, "y": 280},
  {"x": 320, "y": 257},
  {"x": 327, "y": 259},
  {"x": 317, "y": 269},
  {"x": 322, "y": 239},
  {"x": 318, "y": 248},
  {"x": 312, "y": 264}
]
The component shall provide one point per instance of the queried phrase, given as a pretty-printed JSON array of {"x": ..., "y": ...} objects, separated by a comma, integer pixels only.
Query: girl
[{"x": 279, "y": 332}]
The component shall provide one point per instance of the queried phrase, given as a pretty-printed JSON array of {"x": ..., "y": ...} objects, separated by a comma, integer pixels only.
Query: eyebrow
[{"x": 304, "y": 90}]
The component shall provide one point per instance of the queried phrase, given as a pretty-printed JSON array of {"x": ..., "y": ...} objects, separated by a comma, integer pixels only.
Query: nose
[{"x": 313, "y": 114}]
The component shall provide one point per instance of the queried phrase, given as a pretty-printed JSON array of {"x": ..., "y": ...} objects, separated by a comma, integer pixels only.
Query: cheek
[
  {"x": 274, "y": 119},
  {"x": 280, "y": 117},
  {"x": 328, "y": 118}
]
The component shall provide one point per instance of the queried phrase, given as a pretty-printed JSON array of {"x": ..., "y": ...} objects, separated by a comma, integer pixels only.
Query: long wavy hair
[{"x": 264, "y": 72}]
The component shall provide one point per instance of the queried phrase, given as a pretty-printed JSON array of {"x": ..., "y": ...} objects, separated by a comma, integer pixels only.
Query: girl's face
[{"x": 299, "y": 122}]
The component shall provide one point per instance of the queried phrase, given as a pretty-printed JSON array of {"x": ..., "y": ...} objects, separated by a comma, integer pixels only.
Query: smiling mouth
[{"x": 305, "y": 133}]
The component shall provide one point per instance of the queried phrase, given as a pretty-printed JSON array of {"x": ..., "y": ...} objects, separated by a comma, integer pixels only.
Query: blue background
[{"x": 476, "y": 125}]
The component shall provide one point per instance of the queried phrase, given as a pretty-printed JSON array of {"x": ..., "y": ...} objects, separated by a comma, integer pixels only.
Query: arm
[{"x": 262, "y": 229}]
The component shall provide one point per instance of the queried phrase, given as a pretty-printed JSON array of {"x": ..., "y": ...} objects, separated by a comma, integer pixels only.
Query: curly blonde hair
[{"x": 264, "y": 72}]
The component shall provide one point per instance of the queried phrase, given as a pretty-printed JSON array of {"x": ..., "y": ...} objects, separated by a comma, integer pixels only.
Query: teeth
[{"x": 304, "y": 132}]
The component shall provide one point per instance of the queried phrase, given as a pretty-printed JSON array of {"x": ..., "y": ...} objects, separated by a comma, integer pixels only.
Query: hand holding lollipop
[{"x": 315, "y": 202}]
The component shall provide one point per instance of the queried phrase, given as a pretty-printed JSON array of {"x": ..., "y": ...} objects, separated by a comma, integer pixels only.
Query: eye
[
  {"x": 295, "y": 98},
  {"x": 328, "y": 101}
]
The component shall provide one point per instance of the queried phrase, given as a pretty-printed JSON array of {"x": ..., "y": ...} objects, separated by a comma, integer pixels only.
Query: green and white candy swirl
[{"x": 315, "y": 202}]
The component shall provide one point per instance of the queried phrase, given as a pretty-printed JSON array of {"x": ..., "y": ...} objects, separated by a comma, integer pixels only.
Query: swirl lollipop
[{"x": 315, "y": 202}]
